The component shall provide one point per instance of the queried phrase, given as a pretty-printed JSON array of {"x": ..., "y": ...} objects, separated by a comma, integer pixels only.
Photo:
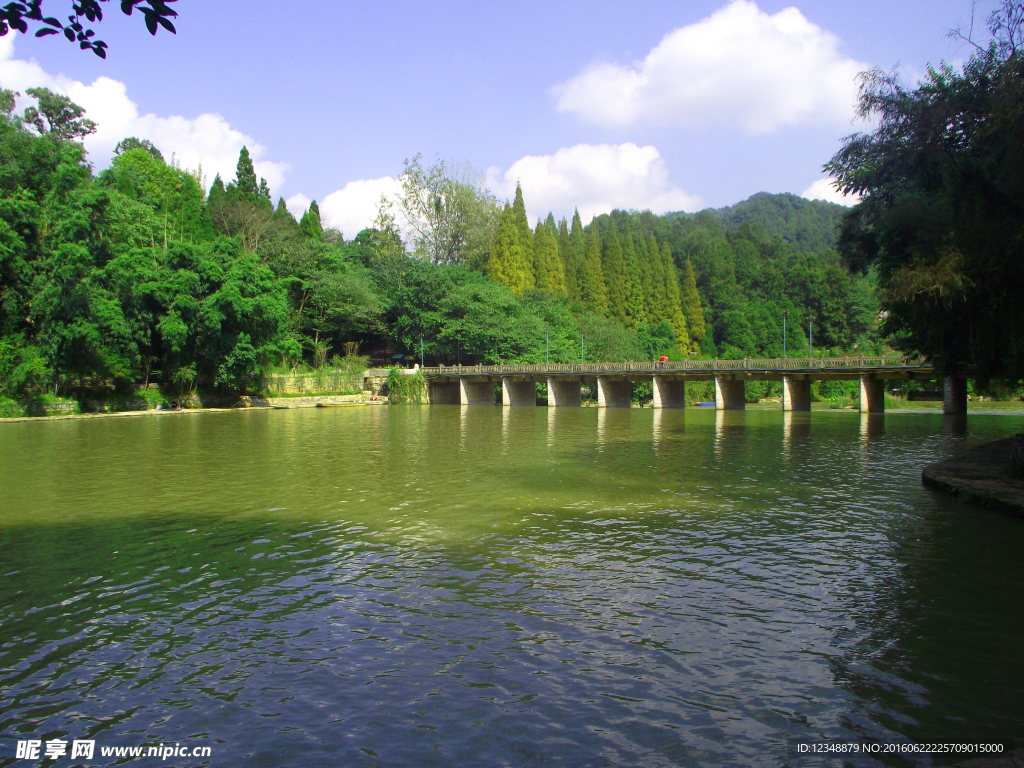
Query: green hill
[{"x": 809, "y": 225}]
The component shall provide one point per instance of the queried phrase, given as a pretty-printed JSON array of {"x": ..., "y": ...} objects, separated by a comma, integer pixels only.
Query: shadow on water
[{"x": 449, "y": 585}]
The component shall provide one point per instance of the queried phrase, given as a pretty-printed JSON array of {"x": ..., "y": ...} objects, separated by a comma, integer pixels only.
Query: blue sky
[{"x": 597, "y": 104}]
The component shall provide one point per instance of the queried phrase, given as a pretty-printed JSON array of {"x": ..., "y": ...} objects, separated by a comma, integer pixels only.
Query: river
[{"x": 442, "y": 586}]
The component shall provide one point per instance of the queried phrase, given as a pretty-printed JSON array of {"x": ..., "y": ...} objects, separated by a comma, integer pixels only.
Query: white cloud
[
  {"x": 354, "y": 207},
  {"x": 739, "y": 68},
  {"x": 297, "y": 204},
  {"x": 594, "y": 178},
  {"x": 207, "y": 140},
  {"x": 824, "y": 189}
]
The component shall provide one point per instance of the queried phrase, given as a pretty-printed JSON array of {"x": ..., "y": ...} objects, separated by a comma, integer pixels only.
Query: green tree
[
  {"x": 310, "y": 225},
  {"x": 690, "y": 298},
  {"x": 593, "y": 283},
  {"x": 448, "y": 213},
  {"x": 939, "y": 222},
  {"x": 526, "y": 237},
  {"x": 508, "y": 265},
  {"x": 616, "y": 279},
  {"x": 57, "y": 115}
]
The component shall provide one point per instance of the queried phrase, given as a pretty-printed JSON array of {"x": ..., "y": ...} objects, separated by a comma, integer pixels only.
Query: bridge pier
[
  {"x": 614, "y": 392},
  {"x": 564, "y": 392},
  {"x": 669, "y": 393},
  {"x": 954, "y": 396},
  {"x": 796, "y": 393},
  {"x": 443, "y": 392},
  {"x": 476, "y": 392},
  {"x": 872, "y": 395},
  {"x": 729, "y": 394},
  {"x": 516, "y": 391}
]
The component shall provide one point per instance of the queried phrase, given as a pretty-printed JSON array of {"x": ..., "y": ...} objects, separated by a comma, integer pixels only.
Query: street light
[
  {"x": 547, "y": 344},
  {"x": 581, "y": 346},
  {"x": 421, "y": 351}
]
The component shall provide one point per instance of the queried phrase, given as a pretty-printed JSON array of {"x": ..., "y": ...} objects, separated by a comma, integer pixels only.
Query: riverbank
[
  {"x": 985, "y": 475},
  {"x": 241, "y": 403}
]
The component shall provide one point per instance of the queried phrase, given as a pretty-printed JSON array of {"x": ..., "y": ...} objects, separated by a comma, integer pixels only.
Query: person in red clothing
[{"x": 663, "y": 359}]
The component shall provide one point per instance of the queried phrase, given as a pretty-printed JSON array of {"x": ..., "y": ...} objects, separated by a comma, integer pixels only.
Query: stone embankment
[{"x": 991, "y": 475}]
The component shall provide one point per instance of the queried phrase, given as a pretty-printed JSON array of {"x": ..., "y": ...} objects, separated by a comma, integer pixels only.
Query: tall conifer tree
[
  {"x": 692, "y": 306},
  {"x": 677, "y": 317},
  {"x": 553, "y": 259},
  {"x": 507, "y": 264},
  {"x": 576, "y": 265},
  {"x": 593, "y": 287},
  {"x": 542, "y": 255},
  {"x": 310, "y": 224},
  {"x": 570, "y": 261},
  {"x": 659, "y": 278},
  {"x": 636, "y": 316},
  {"x": 245, "y": 177},
  {"x": 615, "y": 278},
  {"x": 525, "y": 234}
]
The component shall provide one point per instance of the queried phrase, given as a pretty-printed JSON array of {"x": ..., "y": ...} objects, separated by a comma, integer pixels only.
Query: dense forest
[{"x": 142, "y": 273}]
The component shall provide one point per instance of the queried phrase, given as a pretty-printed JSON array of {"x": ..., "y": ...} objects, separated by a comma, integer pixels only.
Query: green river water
[{"x": 438, "y": 585}]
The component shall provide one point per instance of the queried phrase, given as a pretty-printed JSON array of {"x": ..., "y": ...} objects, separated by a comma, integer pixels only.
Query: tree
[
  {"x": 526, "y": 237},
  {"x": 690, "y": 298},
  {"x": 244, "y": 209},
  {"x": 449, "y": 215},
  {"x": 57, "y": 115},
  {"x": 17, "y": 15},
  {"x": 574, "y": 253},
  {"x": 508, "y": 265},
  {"x": 940, "y": 220},
  {"x": 135, "y": 143},
  {"x": 310, "y": 225},
  {"x": 615, "y": 276},
  {"x": 593, "y": 290}
]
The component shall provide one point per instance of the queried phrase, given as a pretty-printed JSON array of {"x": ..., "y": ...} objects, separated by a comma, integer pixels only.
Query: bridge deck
[{"x": 892, "y": 366}]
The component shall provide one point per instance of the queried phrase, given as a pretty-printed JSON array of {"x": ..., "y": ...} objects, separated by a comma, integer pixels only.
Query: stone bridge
[{"x": 475, "y": 385}]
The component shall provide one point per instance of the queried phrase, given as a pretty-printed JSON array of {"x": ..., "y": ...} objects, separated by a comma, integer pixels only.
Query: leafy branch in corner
[{"x": 18, "y": 15}]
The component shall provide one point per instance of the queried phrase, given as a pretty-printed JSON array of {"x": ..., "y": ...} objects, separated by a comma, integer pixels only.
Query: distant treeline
[{"x": 141, "y": 273}]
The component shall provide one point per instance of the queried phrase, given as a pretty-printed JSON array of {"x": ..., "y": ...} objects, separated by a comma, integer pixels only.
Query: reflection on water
[{"x": 502, "y": 586}]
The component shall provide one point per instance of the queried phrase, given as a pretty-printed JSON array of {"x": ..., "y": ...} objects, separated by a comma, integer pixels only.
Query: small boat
[{"x": 338, "y": 405}]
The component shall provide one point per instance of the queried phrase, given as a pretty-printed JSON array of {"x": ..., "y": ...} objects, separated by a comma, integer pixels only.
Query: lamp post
[
  {"x": 547, "y": 344},
  {"x": 581, "y": 346},
  {"x": 421, "y": 351},
  {"x": 458, "y": 352},
  {"x": 810, "y": 335}
]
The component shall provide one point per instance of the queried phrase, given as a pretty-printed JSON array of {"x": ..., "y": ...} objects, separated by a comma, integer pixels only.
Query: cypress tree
[
  {"x": 593, "y": 287},
  {"x": 245, "y": 177},
  {"x": 692, "y": 306},
  {"x": 677, "y": 318},
  {"x": 615, "y": 277},
  {"x": 282, "y": 207},
  {"x": 525, "y": 235},
  {"x": 553, "y": 259},
  {"x": 310, "y": 225},
  {"x": 636, "y": 317},
  {"x": 541, "y": 256},
  {"x": 570, "y": 264},
  {"x": 659, "y": 276},
  {"x": 576, "y": 260},
  {"x": 507, "y": 263}
]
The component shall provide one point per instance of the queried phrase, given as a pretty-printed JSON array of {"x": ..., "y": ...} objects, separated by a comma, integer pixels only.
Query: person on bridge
[{"x": 663, "y": 359}]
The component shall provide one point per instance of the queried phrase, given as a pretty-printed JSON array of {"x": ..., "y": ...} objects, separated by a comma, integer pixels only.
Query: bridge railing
[{"x": 716, "y": 365}]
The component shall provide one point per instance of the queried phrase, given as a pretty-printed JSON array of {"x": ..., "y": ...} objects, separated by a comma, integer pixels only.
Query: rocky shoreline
[{"x": 989, "y": 475}]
